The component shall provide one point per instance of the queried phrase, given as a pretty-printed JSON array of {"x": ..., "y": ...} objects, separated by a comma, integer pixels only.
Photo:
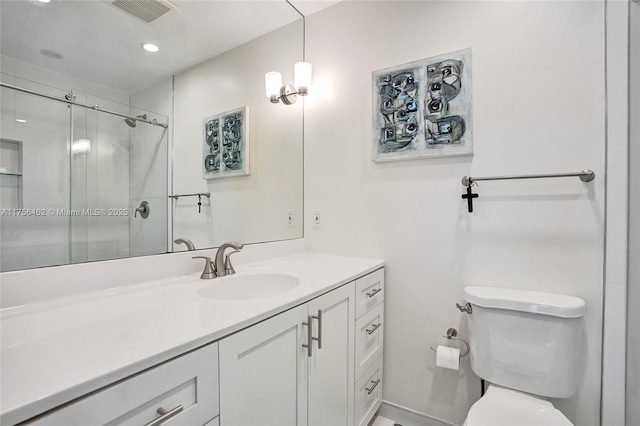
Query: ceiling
[{"x": 102, "y": 44}]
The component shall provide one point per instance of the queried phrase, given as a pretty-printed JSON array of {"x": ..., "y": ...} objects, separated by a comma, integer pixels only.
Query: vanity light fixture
[
  {"x": 150, "y": 47},
  {"x": 21, "y": 120},
  {"x": 288, "y": 93}
]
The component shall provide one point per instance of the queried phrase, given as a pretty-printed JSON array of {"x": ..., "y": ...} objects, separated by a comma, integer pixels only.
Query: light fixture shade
[
  {"x": 81, "y": 146},
  {"x": 302, "y": 77},
  {"x": 150, "y": 47},
  {"x": 272, "y": 82}
]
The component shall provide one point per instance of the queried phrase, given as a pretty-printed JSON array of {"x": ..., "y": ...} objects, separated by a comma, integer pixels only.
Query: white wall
[
  {"x": 248, "y": 208},
  {"x": 538, "y": 104}
]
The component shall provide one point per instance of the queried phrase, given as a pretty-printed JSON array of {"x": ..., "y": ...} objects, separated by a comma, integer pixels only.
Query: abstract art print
[
  {"x": 225, "y": 148},
  {"x": 423, "y": 108}
]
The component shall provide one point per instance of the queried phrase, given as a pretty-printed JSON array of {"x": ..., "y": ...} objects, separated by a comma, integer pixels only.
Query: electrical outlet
[
  {"x": 317, "y": 218},
  {"x": 291, "y": 218}
]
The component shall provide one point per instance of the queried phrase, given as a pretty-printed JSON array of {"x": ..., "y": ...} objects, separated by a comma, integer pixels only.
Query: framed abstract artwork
[
  {"x": 423, "y": 109},
  {"x": 225, "y": 146}
]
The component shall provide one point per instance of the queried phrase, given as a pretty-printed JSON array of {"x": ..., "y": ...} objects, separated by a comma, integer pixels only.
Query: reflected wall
[{"x": 247, "y": 208}]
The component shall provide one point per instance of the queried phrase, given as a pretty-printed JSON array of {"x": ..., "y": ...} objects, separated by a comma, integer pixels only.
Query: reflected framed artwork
[
  {"x": 225, "y": 146},
  {"x": 423, "y": 109}
]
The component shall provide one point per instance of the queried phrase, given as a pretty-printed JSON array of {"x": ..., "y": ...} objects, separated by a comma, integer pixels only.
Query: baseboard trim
[{"x": 407, "y": 417}]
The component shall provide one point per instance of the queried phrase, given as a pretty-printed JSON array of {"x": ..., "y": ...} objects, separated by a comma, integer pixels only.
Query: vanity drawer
[
  {"x": 369, "y": 339},
  {"x": 189, "y": 381},
  {"x": 368, "y": 394},
  {"x": 369, "y": 292}
]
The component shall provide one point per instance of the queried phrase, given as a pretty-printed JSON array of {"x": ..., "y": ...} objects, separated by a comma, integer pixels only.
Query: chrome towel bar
[
  {"x": 468, "y": 181},
  {"x": 585, "y": 176},
  {"x": 197, "y": 194}
]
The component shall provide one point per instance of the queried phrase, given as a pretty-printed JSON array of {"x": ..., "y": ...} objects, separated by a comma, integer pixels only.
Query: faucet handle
[
  {"x": 228, "y": 267},
  {"x": 209, "y": 272}
]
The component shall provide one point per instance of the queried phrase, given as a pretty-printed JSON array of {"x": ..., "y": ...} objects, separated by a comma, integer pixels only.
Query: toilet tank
[{"x": 525, "y": 340}]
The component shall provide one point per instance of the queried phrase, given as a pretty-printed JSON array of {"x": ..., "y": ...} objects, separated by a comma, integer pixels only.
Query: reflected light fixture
[
  {"x": 288, "y": 93},
  {"x": 81, "y": 146},
  {"x": 21, "y": 120},
  {"x": 150, "y": 47}
]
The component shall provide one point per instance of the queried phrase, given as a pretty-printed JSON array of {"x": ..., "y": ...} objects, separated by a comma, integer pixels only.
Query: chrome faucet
[
  {"x": 187, "y": 242},
  {"x": 221, "y": 266},
  {"x": 222, "y": 263}
]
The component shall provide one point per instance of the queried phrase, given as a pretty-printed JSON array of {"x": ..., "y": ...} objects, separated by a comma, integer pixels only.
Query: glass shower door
[
  {"x": 34, "y": 229},
  {"x": 116, "y": 166},
  {"x": 71, "y": 179},
  {"x": 100, "y": 181}
]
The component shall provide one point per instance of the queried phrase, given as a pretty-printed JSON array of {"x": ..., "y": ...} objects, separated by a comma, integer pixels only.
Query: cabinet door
[
  {"x": 263, "y": 373},
  {"x": 331, "y": 366}
]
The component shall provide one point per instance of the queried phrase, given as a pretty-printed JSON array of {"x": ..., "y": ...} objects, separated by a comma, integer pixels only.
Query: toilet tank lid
[{"x": 536, "y": 302}]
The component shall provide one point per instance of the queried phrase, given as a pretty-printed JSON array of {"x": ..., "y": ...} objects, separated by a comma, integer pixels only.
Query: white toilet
[{"x": 525, "y": 343}]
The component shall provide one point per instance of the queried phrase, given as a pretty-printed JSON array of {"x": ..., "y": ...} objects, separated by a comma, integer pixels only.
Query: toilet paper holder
[{"x": 451, "y": 335}]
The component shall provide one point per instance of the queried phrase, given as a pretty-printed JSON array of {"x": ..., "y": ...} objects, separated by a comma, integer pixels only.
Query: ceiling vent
[{"x": 148, "y": 11}]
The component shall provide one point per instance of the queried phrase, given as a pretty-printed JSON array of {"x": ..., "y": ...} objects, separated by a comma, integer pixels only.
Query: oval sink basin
[{"x": 248, "y": 286}]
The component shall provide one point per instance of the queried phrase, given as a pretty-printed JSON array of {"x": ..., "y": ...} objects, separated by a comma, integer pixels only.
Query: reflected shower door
[
  {"x": 71, "y": 179},
  {"x": 148, "y": 181},
  {"x": 115, "y": 167},
  {"x": 34, "y": 229},
  {"x": 100, "y": 181}
]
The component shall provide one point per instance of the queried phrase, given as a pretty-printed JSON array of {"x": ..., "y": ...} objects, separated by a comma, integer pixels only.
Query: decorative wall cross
[{"x": 469, "y": 196}]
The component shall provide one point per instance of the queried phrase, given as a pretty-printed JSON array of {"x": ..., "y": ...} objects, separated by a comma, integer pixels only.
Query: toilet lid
[{"x": 506, "y": 407}]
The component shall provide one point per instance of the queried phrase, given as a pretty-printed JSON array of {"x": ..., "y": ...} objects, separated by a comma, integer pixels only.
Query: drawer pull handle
[
  {"x": 165, "y": 415},
  {"x": 374, "y": 292},
  {"x": 375, "y": 383},
  {"x": 374, "y": 328}
]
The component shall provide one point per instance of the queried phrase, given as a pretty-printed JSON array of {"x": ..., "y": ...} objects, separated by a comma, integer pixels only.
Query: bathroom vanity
[{"x": 184, "y": 351}]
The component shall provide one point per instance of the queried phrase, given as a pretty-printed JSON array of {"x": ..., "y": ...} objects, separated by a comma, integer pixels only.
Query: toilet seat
[{"x": 507, "y": 407}]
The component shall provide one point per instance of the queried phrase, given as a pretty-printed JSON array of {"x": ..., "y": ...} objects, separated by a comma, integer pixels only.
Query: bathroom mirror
[{"x": 83, "y": 184}]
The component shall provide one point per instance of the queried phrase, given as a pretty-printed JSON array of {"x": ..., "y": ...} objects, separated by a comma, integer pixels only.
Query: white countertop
[{"x": 55, "y": 351}]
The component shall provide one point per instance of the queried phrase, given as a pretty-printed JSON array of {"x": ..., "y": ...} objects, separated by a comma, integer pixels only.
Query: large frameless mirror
[{"x": 105, "y": 147}]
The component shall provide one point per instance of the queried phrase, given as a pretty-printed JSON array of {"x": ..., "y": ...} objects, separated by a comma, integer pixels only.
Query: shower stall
[{"x": 75, "y": 170}]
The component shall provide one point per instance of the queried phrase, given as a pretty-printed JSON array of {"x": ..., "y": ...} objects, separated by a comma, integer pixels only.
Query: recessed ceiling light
[
  {"x": 51, "y": 54},
  {"x": 21, "y": 120},
  {"x": 44, "y": 1},
  {"x": 150, "y": 47}
]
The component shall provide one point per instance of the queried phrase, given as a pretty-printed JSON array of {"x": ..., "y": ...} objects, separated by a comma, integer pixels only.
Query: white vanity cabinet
[
  {"x": 182, "y": 391},
  {"x": 369, "y": 341},
  {"x": 269, "y": 375},
  {"x": 318, "y": 363}
]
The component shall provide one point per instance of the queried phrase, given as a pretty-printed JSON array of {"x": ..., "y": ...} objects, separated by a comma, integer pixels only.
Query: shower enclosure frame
[
  {"x": 70, "y": 99},
  {"x": 616, "y": 265}
]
